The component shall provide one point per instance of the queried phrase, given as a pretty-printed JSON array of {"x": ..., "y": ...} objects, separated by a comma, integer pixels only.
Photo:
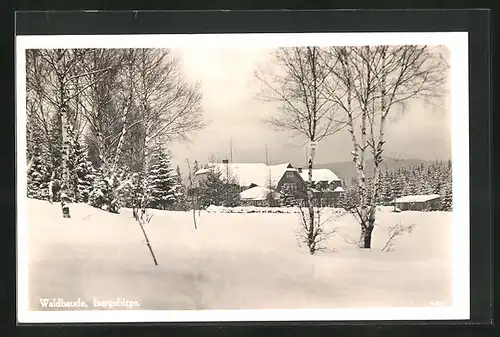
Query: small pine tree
[
  {"x": 341, "y": 201},
  {"x": 99, "y": 191},
  {"x": 447, "y": 187},
  {"x": 131, "y": 194},
  {"x": 388, "y": 194},
  {"x": 232, "y": 195},
  {"x": 447, "y": 199},
  {"x": 178, "y": 184},
  {"x": 83, "y": 174},
  {"x": 38, "y": 177},
  {"x": 163, "y": 183},
  {"x": 212, "y": 189},
  {"x": 181, "y": 202}
]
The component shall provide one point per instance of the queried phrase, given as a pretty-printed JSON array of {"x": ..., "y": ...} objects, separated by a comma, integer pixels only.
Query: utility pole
[
  {"x": 230, "y": 149},
  {"x": 225, "y": 161}
]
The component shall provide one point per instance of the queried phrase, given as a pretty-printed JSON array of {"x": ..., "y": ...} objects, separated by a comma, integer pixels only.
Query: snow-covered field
[{"x": 231, "y": 261}]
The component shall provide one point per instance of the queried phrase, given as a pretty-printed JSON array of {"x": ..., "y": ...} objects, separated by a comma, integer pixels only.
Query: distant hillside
[{"x": 346, "y": 170}]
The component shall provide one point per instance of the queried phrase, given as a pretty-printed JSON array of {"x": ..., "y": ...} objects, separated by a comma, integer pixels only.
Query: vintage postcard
[{"x": 242, "y": 177}]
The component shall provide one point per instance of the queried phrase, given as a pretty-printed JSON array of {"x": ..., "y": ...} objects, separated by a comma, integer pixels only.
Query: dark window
[{"x": 290, "y": 174}]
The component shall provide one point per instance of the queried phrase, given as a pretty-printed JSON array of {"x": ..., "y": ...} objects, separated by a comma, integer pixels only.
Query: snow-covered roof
[
  {"x": 201, "y": 171},
  {"x": 257, "y": 193},
  {"x": 319, "y": 175},
  {"x": 339, "y": 189},
  {"x": 247, "y": 174},
  {"x": 418, "y": 198}
]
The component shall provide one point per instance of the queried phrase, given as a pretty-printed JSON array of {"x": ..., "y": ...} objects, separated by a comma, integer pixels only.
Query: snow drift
[{"x": 249, "y": 261}]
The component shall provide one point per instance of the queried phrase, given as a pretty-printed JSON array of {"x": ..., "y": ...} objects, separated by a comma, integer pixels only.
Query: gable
[{"x": 291, "y": 176}]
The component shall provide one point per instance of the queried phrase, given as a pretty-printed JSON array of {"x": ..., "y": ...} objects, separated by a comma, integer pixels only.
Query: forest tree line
[{"x": 417, "y": 179}]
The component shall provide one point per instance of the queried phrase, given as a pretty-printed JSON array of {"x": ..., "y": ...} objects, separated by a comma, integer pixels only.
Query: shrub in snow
[
  {"x": 393, "y": 232},
  {"x": 107, "y": 191},
  {"x": 287, "y": 197}
]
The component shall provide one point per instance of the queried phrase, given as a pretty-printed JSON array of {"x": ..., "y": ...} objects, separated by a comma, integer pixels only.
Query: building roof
[
  {"x": 257, "y": 193},
  {"x": 201, "y": 171},
  {"x": 319, "y": 175},
  {"x": 417, "y": 198},
  {"x": 247, "y": 174},
  {"x": 339, "y": 189}
]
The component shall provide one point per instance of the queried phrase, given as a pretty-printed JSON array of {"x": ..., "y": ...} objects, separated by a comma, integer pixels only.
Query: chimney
[{"x": 299, "y": 169}]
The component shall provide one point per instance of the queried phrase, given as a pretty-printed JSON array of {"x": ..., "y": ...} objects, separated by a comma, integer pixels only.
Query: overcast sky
[{"x": 232, "y": 111}]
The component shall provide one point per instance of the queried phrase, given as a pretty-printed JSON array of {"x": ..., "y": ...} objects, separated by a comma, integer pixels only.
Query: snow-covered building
[
  {"x": 248, "y": 175},
  {"x": 429, "y": 202},
  {"x": 258, "y": 196},
  {"x": 327, "y": 186}
]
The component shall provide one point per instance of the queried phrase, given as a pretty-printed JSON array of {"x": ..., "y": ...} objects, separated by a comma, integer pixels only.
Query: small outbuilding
[
  {"x": 429, "y": 202},
  {"x": 258, "y": 196}
]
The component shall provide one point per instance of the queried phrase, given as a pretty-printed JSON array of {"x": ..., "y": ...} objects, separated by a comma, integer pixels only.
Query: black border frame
[{"x": 476, "y": 22}]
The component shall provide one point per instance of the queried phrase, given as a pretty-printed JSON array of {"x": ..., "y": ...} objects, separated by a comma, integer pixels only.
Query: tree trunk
[
  {"x": 119, "y": 147},
  {"x": 366, "y": 236},
  {"x": 194, "y": 217},
  {"x": 310, "y": 232},
  {"x": 65, "y": 186},
  {"x": 145, "y": 169},
  {"x": 367, "y": 217}
]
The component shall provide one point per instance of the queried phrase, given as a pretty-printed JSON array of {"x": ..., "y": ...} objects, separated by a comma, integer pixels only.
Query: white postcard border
[{"x": 456, "y": 42}]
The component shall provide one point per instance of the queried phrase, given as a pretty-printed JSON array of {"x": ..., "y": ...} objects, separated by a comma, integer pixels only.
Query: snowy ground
[{"x": 249, "y": 261}]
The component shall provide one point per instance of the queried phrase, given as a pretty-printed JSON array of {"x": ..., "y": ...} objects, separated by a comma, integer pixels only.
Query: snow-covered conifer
[
  {"x": 83, "y": 173},
  {"x": 38, "y": 177},
  {"x": 212, "y": 189},
  {"x": 163, "y": 183}
]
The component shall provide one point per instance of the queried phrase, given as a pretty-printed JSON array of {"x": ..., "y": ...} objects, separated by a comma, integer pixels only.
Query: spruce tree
[
  {"x": 212, "y": 189},
  {"x": 341, "y": 201},
  {"x": 99, "y": 192},
  {"x": 83, "y": 173},
  {"x": 446, "y": 198},
  {"x": 232, "y": 195},
  {"x": 163, "y": 184},
  {"x": 179, "y": 184},
  {"x": 387, "y": 191},
  {"x": 181, "y": 202},
  {"x": 38, "y": 177}
]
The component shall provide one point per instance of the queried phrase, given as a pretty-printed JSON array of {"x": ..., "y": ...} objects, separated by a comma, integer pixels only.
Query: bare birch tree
[
  {"x": 373, "y": 80},
  {"x": 117, "y": 99},
  {"x": 297, "y": 82},
  {"x": 62, "y": 65},
  {"x": 169, "y": 106}
]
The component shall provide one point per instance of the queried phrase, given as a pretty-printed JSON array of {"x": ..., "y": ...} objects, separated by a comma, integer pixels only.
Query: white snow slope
[{"x": 249, "y": 261}]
